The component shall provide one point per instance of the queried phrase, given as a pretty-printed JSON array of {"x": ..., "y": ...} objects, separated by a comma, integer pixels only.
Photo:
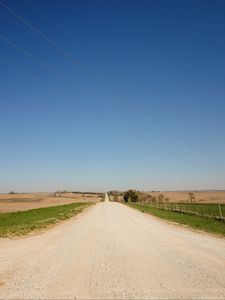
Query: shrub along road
[{"x": 113, "y": 251}]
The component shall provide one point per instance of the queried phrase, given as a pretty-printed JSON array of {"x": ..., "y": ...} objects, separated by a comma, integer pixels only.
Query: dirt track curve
[{"x": 113, "y": 251}]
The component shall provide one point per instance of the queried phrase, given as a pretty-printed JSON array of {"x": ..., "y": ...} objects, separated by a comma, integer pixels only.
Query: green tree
[{"x": 131, "y": 195}]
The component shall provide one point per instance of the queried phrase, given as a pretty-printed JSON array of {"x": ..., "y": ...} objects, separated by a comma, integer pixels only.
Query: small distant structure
[{"x": 12, "y": 193}]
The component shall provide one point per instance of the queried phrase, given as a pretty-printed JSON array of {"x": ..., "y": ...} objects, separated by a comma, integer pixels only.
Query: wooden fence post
[{"x": 220, "y": 212}]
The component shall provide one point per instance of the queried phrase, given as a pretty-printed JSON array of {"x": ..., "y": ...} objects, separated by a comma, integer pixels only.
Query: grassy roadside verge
[
  {"x": 22, "y": 222},
  {"x": 196, "y": 222}
]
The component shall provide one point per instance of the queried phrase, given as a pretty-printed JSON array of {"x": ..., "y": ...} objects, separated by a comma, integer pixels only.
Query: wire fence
[{"x": 216, "y": 211}]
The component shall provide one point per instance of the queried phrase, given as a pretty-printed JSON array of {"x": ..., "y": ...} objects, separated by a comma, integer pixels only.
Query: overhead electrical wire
[
  {"x": 42, "y": 35},
  {"x": 190, "y": 158},
  {"x": 40, "y": 12},
  {"x": 15, "y": 66},
  {"x": 210, "y": 161},
  {"x": 30, "y": 55},
  {"x": 180, "y": 148},
  {"x": 213, "y": 163},
  {"x": 177, "y": 155}
]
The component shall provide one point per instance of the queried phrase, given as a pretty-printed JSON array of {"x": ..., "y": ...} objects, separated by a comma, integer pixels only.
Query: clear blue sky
[{"x": 99, "y": 95}]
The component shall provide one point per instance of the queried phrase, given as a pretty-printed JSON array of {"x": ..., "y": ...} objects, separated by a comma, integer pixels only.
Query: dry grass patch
[{"x": 204, "y": 196}]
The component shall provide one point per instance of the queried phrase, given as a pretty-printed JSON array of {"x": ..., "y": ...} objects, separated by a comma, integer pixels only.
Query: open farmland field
[
  {"x": 26, "y": 201},
  {"x": 202, "y": 196}
]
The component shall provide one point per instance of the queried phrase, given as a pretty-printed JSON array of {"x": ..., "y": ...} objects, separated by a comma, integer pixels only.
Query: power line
[
  {"x": 184, "y": 152},
  {"x": 219, "y": 173},
  {"x": 48, "y": 19},
  {"x": 187, "y": 160},
  {"x": 15, "y": 66},
  {"x": 185, "y": 140},
  {"x": 29, "y": 55},
  {"x": 42, "y": 35}
]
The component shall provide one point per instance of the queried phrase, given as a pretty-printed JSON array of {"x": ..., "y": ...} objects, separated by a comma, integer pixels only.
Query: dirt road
[{"x": 113, "y": 251}]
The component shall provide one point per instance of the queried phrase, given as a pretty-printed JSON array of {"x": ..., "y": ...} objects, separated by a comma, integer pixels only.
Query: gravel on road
[{"x": 112, "y": 251}]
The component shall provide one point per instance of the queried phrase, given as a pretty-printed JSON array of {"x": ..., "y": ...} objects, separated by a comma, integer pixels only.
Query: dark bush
[{"x": 130, "y": 195}]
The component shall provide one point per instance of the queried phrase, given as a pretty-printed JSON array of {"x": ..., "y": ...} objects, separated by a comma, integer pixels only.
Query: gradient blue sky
[{"x": 112, "y": 95}]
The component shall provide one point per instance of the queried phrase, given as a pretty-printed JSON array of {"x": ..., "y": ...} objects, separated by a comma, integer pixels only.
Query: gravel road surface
[{"x": 113, "y": 251}]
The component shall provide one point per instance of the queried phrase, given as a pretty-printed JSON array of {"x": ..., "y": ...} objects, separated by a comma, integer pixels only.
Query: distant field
[
  {"x": 22, "y": 222},
  {"x": 204, "y": 197},
  {"x": 20, "y": 202},
  {"x": 176, "y": 197}
]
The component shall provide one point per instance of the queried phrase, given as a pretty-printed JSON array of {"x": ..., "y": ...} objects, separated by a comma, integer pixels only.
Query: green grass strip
[
  {"x": 207, "y": 209},
  {"x": 22, "y": 222},
  {"x": 196, "y": 222}
]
